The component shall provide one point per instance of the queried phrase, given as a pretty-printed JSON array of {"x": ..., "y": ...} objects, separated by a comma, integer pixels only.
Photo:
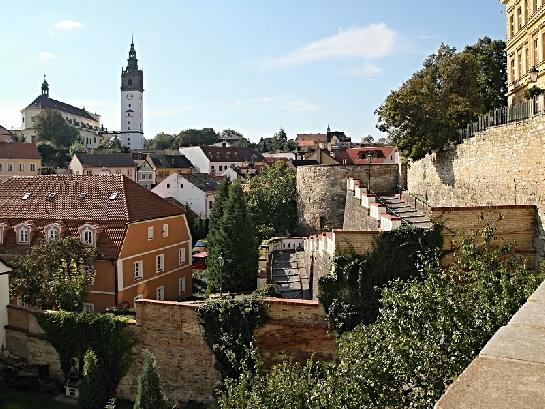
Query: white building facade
[
  {"x": 132, "y": 104},
  {"x": 195, "y": 190},
  {"x": 215, "y": 160}
]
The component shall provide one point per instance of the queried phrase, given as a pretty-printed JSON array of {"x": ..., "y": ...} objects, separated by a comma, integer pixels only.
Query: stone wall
[
  {"x": 502, "y": 166},
  {"x": 321, "y": 192},
  {"x": 356, "y": 217},
  {"x": 173, "y": 332}
]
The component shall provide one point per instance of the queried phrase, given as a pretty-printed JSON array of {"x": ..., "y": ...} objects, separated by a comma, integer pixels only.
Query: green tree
[
  {"x": 54, "y": 274},
  {"x": 272, "y": 201},
  {"x": 52, "y": 127},
  {"x": 92, "y": 392},
  {"x": 195, "y": 137},
  {"x": 162, "y": 141},
  {"x": 233, "y": 236},
  {"x": 451, "y": 90},
  {"x": 77, "y": 147},
  {"x": 111, "y": 145},
  {"x": 53, "y": 156},
  {"x": 150, "y": 394}
]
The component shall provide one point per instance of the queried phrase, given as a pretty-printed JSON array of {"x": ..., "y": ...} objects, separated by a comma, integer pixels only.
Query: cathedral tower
[{"x": 132, "y": 92}]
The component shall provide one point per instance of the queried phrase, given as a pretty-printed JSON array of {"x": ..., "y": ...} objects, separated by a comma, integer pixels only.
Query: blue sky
[{"x": 252, "y": 65}]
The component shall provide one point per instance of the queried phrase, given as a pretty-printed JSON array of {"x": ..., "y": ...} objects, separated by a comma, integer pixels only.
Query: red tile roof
[
  {"x": 19, "y": 150},
  {"x": 5, "y": 135},
  {"x": 311, "y": 137},
  {"x": 109, "y": 201},
  {"x": 357, "y": 156}
]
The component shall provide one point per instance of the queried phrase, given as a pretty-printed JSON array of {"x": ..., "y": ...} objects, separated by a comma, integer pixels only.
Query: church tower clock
[{"x": 132, "y": 91}]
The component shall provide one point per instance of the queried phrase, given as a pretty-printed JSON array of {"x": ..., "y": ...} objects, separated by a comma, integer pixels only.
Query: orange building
[{"x": 143, "y": 241}]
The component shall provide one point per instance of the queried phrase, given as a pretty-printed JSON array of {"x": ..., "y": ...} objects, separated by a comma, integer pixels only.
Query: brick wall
[
  {"x": 173, "y": 332},
  {"x": 501, "y": 166},
  {"x": 321, "y": 192}
]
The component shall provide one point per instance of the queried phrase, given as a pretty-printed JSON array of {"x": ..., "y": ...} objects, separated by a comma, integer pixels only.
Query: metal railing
[
  {"x": 424, "y": 204},
  {"x": 388, "y": 208},
  {"x": 502, "y": 116}
]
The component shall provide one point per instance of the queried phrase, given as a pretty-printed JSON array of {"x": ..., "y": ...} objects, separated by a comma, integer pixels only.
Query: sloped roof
[
  {"x": 203, "y": 181},
  {"x": 231, "y": 154},
  {"x": 169, "y": 161},
  {"x": 311, "y": 137},
  {"x": 44, "y": 102},
  {"x": 5, "y": 135},
  {"x": 357, "y": 156},
  {"x": 109, "y": 201},
  {"x": 99, "y": 160},
  {"x": 19, "y": 150}
]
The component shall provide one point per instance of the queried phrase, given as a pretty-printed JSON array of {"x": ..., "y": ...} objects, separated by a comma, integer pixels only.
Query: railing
[
  {"x": 503, "y": 116},
  {"x": 424, "y": 204},
  {"x": 388, "y": 208}
]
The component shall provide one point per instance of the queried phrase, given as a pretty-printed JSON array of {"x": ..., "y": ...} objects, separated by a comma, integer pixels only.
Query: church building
[{"x": 132, "y": 91}]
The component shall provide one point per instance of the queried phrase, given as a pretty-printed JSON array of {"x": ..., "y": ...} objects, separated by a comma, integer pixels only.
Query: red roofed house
[
  {"x": 355, "y": 156},
  {"x": 5, "y": 135},
  {"x": 143, "y": 241},
  {"x": 323, "y": 140},
  {"x": 215, "y": 160},
  {"x": 19, "y": 159}
]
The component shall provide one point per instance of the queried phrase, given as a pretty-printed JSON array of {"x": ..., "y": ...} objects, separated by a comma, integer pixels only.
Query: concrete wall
[
  {"x": 501, "y": 166},
  {"x": 173, "y": 332},
  {"x": 321, "y": 192}
]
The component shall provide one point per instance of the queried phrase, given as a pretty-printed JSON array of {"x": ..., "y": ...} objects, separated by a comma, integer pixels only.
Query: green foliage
[
  {"x": 150, "y": 394},
  {"x": 533, "y": 92},
  {"x": 272, "y": 201},
  {"x": 52, "y": 127},
  {"x": 111, "y": 145},
  {"x": 72, "y": 334},
  {"x": 197, "y": 225},
  {"x": 111, "y": 404},
  {"x": 451, "y": 90},
  {"x": 350, "y": 295},
  {"x": 92, "y": 392},
  {"x": 229, "y": 325},
  {"x": 161, "y": 141},
  {"x": 232, "y": 235},
  {"x": 53, "y": 156},
  {"x": 54, "y": 274},
  {"x": 268, "y": 290},
  {"x": 77, "y": 147},
  {"x": 428, "y": 331},
  {"x": 195, "y": 137}
]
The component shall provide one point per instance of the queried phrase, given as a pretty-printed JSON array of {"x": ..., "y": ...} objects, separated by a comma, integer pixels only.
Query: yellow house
[
  {"x": 525, "y": 46},
  {"x": 19, "y": 159},
  {"x": 166, "y": 165}
]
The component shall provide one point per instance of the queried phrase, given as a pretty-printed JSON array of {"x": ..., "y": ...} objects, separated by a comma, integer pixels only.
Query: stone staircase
[
  {"x": 407, "y": 213},
  {"x": 289, "y": 274}
]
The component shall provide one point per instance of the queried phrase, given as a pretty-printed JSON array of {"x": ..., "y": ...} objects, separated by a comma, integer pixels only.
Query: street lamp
[
  {"x": 533, "y": 74},
  {"x": 221, "y": 263},
  {"x": 369, "y": 158}
]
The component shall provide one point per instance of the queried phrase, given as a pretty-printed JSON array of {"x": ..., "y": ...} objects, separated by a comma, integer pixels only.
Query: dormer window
[
  {"x": 52, "y": 232},
  {"x": 3, "y": 229},
  {"x": 87, "y": 234},
  {"x": 22, "y": 234}
]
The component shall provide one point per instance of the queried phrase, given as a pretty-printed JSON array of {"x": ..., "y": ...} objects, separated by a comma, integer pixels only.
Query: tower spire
[
  {"x": 132, "y": 62},
  {"x": 45, "y": 88}
]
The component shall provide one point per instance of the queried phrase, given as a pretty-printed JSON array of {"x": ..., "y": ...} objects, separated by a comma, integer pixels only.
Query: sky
[{"x": 253, "y": 66}]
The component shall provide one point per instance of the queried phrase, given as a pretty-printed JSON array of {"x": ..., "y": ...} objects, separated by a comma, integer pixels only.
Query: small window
[
  {"x": 52, "y": 233},
  {"x": 212, "y": 167},
  {"x": 88, "y": 307},
  {"x": 221, "y": 168},
  {"x": 165, "y": 230},
  {"x": 160, "y": 262},
  {"x": 10, "y": 167},
  {"x": 160, "y": 293},
  {"x": 22, "y": 235},
  {"x": 168, "y": 185},
  {"x": 150, "y": 233},
  {"x": 210, "y": 203},
  {"x": 0, "y": 166},
  {"x": 87, "y": 236},
  {"x": 181, "y": 184},
  {"x": 138, "y": 269},
  {"x": 21, "y": 167},
  {"x": 181, "y": 256},
  {"x": 181, "y": 285},
  {"x": 32, "y": 167},
  {"x": 129, "y": 105}
]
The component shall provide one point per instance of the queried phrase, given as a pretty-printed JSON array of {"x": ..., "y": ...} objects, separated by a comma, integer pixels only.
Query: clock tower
[{"x": 132, "y": 92}]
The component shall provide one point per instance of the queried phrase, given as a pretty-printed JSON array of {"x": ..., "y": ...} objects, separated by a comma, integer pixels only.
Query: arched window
[
  {"x": 22, "y": 234},
  {"x": 52, "y": 232},
  {"x": 87, "y": 235}
]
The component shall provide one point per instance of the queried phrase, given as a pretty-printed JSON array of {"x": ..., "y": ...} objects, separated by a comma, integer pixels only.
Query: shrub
[
  {"x": 149, "y": 395},
  {"x": 92, "y": 392}
]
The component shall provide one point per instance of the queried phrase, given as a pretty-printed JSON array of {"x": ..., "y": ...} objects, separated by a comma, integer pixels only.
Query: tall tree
[
  {"x": 55, "y": 274},
  {"x": 162, "y": 141},
  {"x": 451, "y": 89},
  {"x": 215, "y": 235},
  {"x": 149, "y": 394},
  {"x": 52, "y": 127},
  {"x": 195, "y": 137},
  {"x": 272, "y": 200},
  {"x": 234, "y": 238}
]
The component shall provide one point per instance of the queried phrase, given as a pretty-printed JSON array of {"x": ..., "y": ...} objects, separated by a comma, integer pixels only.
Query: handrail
[
  {"x": 388, "y": 208},
  {"x": 414, "y": 196}
]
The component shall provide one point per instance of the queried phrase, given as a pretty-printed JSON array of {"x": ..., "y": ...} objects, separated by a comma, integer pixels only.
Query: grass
[{"x": 13, "y": 399}]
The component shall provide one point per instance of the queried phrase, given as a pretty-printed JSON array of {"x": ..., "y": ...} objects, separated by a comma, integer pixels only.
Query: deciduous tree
[{"x": 52, "y": 127}]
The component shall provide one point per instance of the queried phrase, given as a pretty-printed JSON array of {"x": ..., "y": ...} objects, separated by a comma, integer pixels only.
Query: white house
[
  {"x": 195, "y": 190},
  {"x": 215, "y": 160},
  {"x": 4, "y": 301}
]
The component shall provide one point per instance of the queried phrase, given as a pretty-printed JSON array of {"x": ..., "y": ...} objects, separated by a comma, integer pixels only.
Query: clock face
[{"x": 129, "y": 96}]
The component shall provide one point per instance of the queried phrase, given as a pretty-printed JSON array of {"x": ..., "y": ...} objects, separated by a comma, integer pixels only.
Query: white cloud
[
  {"x": 67, "y": 25},
  {"x": 283, "y": 102},
  {"x": 369, "y": 42},
  {"x": 46, "y": 56},
  {"x": 368, "y": 71}
]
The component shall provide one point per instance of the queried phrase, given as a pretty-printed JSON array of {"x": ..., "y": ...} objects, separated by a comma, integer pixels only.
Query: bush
[
  {"x": 149, "y": 395},
  {"x": 92, "y": 392}
]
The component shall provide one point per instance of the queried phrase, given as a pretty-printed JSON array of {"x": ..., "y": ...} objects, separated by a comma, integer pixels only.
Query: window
[
  {"x": 519, "y": 73},
  {"x": 10, "y": 167},
  {"x": 512, "y": 72},
  {"x": 181, "y": 285},
  {"x": 221, "y": 168},
  {"x": 210, "y": 203},
  {"x": 160, "y": 293},
  {"x": 519, "y": 17},
  {"x": 535, "y": 6},
  {"x": 52, "y": 233},
  {"x": 181, "y": 184},
  {"x": 165, "y": 230},
  {"x": 138, "y": 269},
  {"x": 88, "y": 307},
  {"x": 89, "y": 172},
  {"x": 129, "y": 105},
  {"x": 32, "y": 167},
  {"x": 212, "y": 167},
  {"x": 129, "y": 173},
  {"x": 512, "y": 25},
  {"x": 168, "y": 185},
  {"x": 87, "y": 235},
  {"x": 181, "y": 256},
  {"x": 21, "y": 167},
  {"x": 22, "y": 235},
  {"x": 150, "y": 233},
  {"x": 160, "y": 262}
]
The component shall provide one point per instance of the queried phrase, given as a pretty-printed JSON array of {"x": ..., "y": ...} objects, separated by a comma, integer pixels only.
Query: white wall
[
  {"x": 183, "y": 191},
  {"x": 197, "y": 157},
  {"x": 4, "y": 300},
  {"x": 132, "y": 123}
]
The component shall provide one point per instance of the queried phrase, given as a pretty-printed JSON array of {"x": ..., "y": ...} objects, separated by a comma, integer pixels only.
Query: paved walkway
[
  {"x": 510, "y": 370},
  {"x": 289, "y": 274}
]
